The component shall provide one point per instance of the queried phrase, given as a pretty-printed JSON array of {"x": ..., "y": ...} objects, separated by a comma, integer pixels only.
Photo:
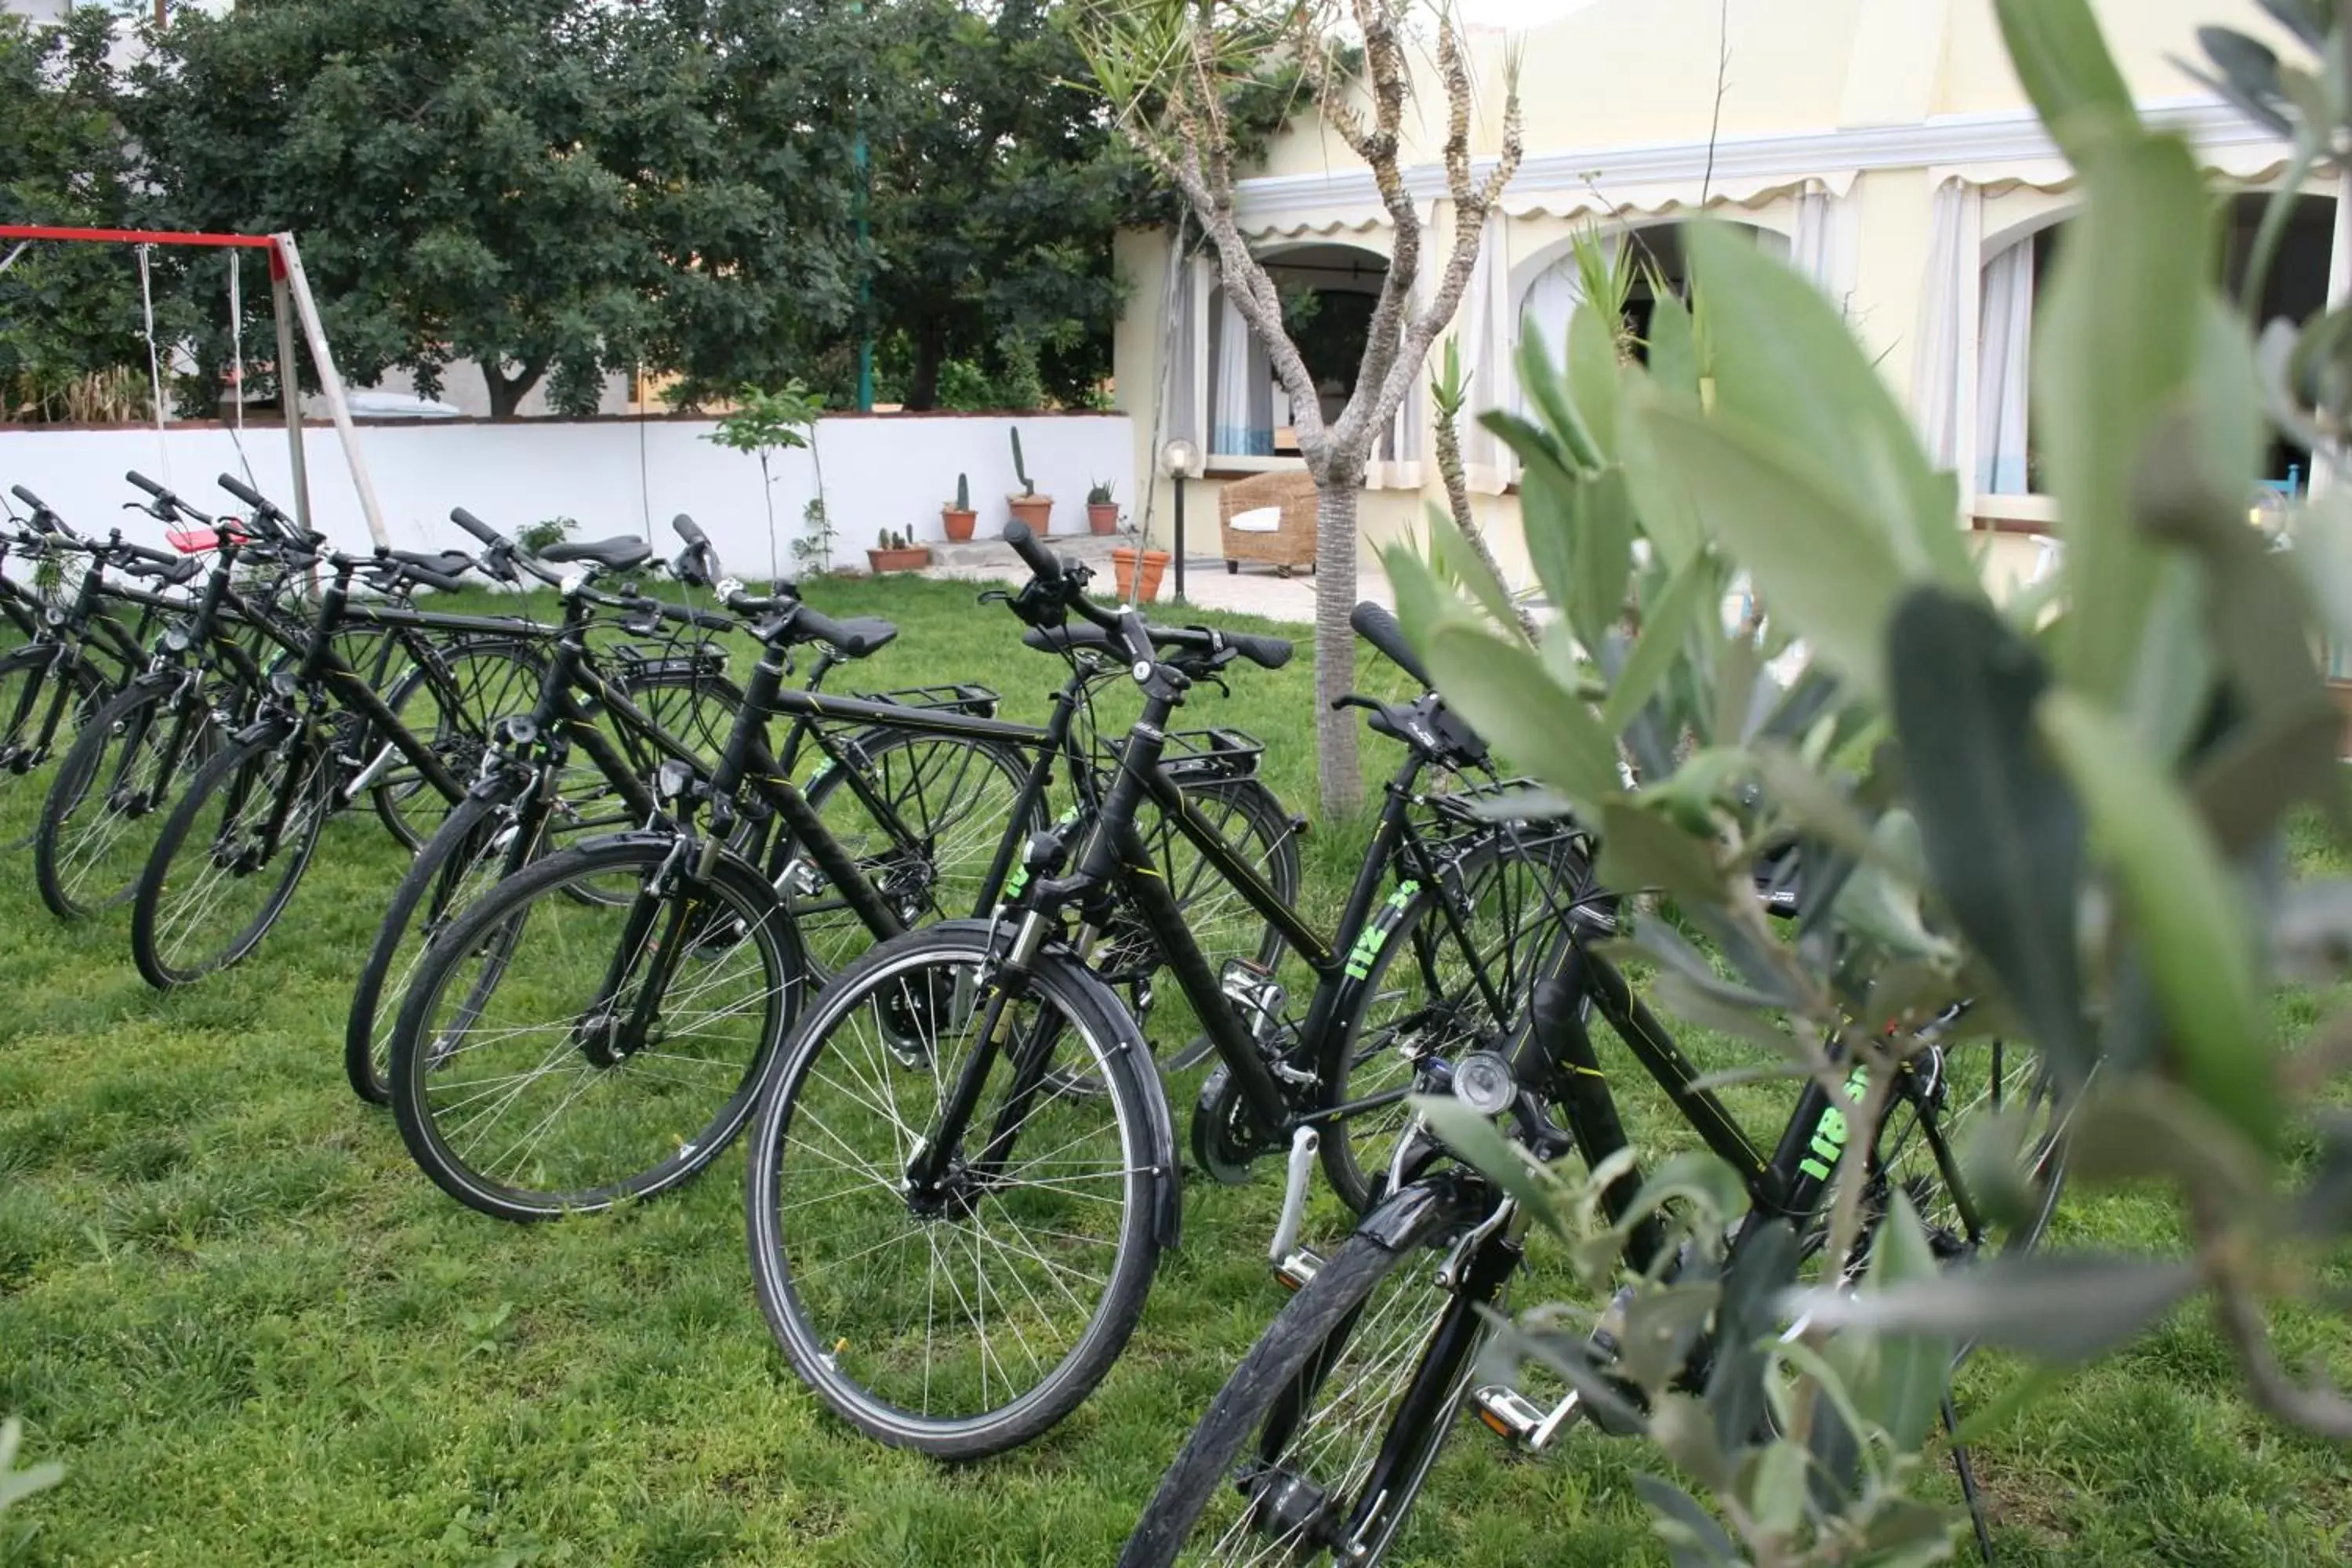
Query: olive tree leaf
[
  {"x": 1502, "y": 689},
  {"x": 1601, "y": 555},
  {"x": 1663, "y": 502},
  {"x": 1912, "y": 1370},
  {"x": 2183, "y": 903},
  {"x": 1478, "y": 1142},
  {"x": 2060, "y": 58},
  {"x": 1816, "y": 563},
  {"x": 1592, "y": 377},
  {"x": 2137, "y": 1126},
  {"x": 1693, "y": 1538},
  {"x": 1641, "y": 850},
  {"x": 2001, "y": 830},
  {"x": 1461, "y": 561},
  {"x": 17, "y": 1485},
  {"x": 2121, "y": 338},
  {"x": 1665, "y": 632},
  {"x": 2060, "y": 1307},
  {"x": 1765, "y": 1261},
  {"x": 1787, "y": 364}
]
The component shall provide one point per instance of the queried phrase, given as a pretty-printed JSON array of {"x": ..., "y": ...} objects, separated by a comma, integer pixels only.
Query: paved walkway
[{"x": 1256, "y": 591}]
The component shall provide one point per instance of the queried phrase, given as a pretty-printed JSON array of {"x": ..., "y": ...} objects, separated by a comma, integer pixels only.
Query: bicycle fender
[
  {"x": 1168, "y": 1194},
  {"x": 1401, "y": 1220}
]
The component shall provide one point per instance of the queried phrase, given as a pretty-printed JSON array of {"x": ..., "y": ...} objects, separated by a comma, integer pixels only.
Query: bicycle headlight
[{"x": 1482, "y": 1081}]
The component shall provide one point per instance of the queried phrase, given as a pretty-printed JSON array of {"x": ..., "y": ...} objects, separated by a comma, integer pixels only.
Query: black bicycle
[
  {"x": 559, "y": 1051},
  {"x": 234, "y": 847},
  {"x": 627, "y": 708},
  {"x": 967, "y": 1169},
  {"x": 1317, "y": 1448},
  {"x": 203, "y": 682}
]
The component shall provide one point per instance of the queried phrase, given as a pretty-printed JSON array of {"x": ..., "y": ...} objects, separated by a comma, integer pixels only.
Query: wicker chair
[{"x": 1291, "y": 544}]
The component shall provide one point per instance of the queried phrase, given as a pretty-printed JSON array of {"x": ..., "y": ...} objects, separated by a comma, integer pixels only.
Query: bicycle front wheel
[
  {"x": 229, "y": 858},
  {"x": 1316, "y": 1449},
  {"x": 563, "y": 1048},
  {"x": 964, "y": 1318},
  {"x": 449, "y": 703},
  {"x": 110, "y": 795}
]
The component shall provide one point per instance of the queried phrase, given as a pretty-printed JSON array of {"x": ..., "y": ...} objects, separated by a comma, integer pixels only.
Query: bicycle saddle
[
  {"x": 170, "y": 572},
  {"x": 857, "y": 638},
  {"x": 620, "y": 554}
]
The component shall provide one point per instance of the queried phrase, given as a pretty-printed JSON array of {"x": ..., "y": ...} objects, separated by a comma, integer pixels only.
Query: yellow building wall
[{"x": 1630, "y": 73}]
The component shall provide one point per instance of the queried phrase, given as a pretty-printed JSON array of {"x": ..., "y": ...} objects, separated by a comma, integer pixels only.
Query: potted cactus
[
  {"x": 893, "y": 551},
  {"x": 1028, "y": 505},
  {"x": 957, "y": 515},
  {"x": 1102, "y": 508}
]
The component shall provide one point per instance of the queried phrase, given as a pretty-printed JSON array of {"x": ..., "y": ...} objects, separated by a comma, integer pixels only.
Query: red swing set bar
[{"x": 289, "y": 287}]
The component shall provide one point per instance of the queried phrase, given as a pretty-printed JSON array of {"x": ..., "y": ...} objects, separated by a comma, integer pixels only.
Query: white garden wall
[{"x": 888, "y": 471}]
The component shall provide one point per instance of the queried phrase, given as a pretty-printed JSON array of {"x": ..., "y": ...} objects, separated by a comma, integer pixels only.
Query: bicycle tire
[
  {"x": 1388, "y": 1024},
  {"x": 468, "y": 854},
  {"x": 1302, "y": 1356},
  {"x": 921, "y": 982},
  {"x": 25, "y": 675},
  {"x": 961, "y": 789},
  {"x": 490, "y": 678},
  {"x": 475, "y": 964},
  {"x": 88, "y": 853},
  {"x": 242, "y": 781},
  {"x": 1252, "y": 818}
]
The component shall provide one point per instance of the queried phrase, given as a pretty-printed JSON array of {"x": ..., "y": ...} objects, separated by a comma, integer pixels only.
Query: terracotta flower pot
[
  {"x": 1103, "y": 516},
  {"x": 959, "y": 524},
  {"x": 1122, "y": 567},
  {"x": 1037, "y": 511},
  {"x": 913, "y": 558}
]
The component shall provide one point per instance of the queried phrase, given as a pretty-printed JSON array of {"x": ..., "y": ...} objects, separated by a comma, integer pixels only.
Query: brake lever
[{"x": 994, "y": 596}]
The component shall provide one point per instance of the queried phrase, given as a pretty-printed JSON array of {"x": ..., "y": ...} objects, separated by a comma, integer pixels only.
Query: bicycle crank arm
[{"x": 1303, "y": 1145}]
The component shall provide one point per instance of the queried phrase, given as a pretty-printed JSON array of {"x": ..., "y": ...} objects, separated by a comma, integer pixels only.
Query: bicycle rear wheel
[
  {"x": 561, "y": 1051},
  {"x": 490, "y": 835},
  {"x": 229, "y": 858},
  {"x": 449, "y": 703},
  {"x": 1318, "y": 1446},
  {"x": 1430, "y": 990},
  {"x": 45, "y": 698},
  {"x": 966, "y": 1321},
  {"x": 1248, "y": 817},
  {"x": 947, "y": 802}
]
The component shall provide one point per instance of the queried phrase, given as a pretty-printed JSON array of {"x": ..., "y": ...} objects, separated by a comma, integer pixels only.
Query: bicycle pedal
[
  {"x": 1520, "y": 1421},
  {"x": 1297, "y": 1270}
]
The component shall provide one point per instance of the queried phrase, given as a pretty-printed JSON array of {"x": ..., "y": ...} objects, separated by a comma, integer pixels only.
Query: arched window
[
  {"x": 2008, "y": 448},
  {"x": 1328, "y": 293}
]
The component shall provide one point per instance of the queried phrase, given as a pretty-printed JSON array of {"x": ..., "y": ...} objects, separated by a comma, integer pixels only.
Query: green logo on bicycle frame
[
  {"x": 1829, "y": 1136},
  {"x": 1014, "y": 883},
  {"x": 1376, "y": 934}
]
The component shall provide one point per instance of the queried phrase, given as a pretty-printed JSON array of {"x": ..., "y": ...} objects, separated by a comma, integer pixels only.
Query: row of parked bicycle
[{"x": 914, "y": 945}]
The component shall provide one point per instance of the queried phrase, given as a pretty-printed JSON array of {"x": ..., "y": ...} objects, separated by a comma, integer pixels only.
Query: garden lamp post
[{"x": 1179, "y": 460}]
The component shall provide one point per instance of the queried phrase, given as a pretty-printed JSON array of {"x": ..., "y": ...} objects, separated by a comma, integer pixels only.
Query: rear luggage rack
[
  {"x": 1196, "y": 754},
  {"x": 978, "y": 701},
  {"x": 699, "y": 661}
]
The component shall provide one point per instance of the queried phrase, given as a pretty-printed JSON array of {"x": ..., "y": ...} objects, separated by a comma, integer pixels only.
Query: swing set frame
[{"x": 292, "y": 303}]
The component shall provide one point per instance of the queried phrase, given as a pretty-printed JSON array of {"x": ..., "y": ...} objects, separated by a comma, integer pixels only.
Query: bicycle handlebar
[
  {"x": 1377, "y": 626},
  {"x": 1041, "y": 561},
  {"x": 166, "y": 504}
]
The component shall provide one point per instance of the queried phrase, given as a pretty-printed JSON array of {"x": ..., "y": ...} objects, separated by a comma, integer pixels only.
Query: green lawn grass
[{"x": 255, "y": 1334}]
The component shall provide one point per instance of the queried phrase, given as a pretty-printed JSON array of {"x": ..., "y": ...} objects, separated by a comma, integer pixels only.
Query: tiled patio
[{"x": 1256, "y": 591}]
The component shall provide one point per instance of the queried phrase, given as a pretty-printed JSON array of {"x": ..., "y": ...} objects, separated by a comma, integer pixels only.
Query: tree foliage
[
  {"x": 71, "y": 338},
  {"x": 2067, "y": 812}
]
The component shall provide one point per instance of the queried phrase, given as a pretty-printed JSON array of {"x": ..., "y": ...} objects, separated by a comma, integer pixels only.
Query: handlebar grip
[
  {"x": 141, "y": 553},
  {"x": 260, "y": 503},
  {"x": 1266, "y": 653},
  {"x": 29, "y": 498},
  {"x": 144, "y": 483},
  {"x": 707, "y": 620},
  {"x": 686, "y": 528},
  {"x": 1379, "y": 628},
  {"x": 475, "y": 526},
  {"x": 1034, "y": 554}
]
